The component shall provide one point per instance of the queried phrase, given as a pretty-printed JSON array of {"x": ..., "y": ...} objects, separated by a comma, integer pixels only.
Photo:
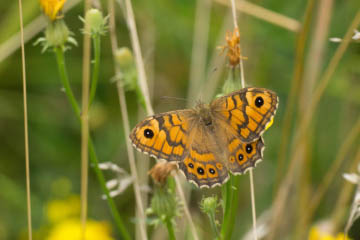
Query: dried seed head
[
  {"x": 233, "y": 47},
  {"x": 161, "y": 171}
]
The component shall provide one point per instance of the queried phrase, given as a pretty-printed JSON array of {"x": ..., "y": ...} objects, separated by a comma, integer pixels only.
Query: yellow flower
[
  {"x": 317, "y": 234},
  {"x": 58, "y": 210},
  {"x": 51, "y": 8},
  {"x": 70, "y": 229}
]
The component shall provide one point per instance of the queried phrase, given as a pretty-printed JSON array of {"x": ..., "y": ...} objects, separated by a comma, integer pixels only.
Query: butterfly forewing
[
  {"x": 164, "y": 136},
  {"x": 248, "y": 111}
]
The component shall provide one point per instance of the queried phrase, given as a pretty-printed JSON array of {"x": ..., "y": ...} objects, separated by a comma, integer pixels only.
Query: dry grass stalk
[
  {"x": 295, "y": 86},
  {"x": 331, "y": 173},
  {"x": 148, "y": 41},
  {"x": 216, "y": 65},
  {"x": 279, "y": 204},
  {"x": 124, "y": 113},
  {"x": 130, "y": 19},
  {"x": 186, "y": 209},
  {"x": 264, "y": 14},
  {"x": 242, "y": 79},
  {"x": 199, "y": 48},
  {"x": 311, "y": 72},
  {"x": 26, "y": 132},
  {"x": 85, "y": 122}
]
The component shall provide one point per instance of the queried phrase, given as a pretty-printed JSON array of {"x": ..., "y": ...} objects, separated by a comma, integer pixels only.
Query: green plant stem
[
  {"x": 95, "y": 73},
  {"x": 213, "y": 225},
  {"x": 65, "y": 80},
  {"x": 93, "y": 158},
  {"x": 170, "y": 228},
  {"x": 111, "y": 203},
  {"x": 230, "y": 193}
]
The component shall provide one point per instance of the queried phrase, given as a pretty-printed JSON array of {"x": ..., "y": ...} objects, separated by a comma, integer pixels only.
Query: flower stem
[
  {"x": 170, "y": 228},
  {"x": 93, "y": 158},
  {"x": 111, "y": 203},
  {"x": 65, "y": 80},
  {"x": 230, "y": 193},
  {"x": 213, "y": 225},
  {"x": 95, "y": 73}
]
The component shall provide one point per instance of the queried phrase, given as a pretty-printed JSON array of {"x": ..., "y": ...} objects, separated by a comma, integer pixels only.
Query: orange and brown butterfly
[{"x": 212, "y": 139}]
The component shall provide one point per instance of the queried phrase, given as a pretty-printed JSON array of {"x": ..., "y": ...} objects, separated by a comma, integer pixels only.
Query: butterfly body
[{"x": 212, "y": 139}]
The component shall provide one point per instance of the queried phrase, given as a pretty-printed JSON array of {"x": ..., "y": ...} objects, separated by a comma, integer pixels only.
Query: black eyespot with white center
[
  {"x": 240, "y": 157},
  {"x": 200, "y": 170},
  {"x": 248, "y": 148},
  {"x": 148, "y": 133},
  {"x": 212, "y": 171},
  {"x": 191, "y": 165},
  {"x": 259, "y": 101}
]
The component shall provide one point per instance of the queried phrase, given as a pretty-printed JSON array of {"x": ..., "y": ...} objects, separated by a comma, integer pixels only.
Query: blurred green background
[{"x": 166, "y": 35}]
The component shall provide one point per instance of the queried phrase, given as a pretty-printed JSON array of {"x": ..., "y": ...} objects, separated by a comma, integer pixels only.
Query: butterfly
[{"x": 211, "y": 140}]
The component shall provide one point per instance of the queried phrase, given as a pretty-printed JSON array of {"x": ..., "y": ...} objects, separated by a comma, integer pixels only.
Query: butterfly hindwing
[
  {"x": 203, "y": 165},
  {"x": 244, "y": 156}
]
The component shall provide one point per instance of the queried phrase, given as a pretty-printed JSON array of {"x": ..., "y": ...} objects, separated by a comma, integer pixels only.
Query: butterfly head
[{"x": 204, "y": 113}]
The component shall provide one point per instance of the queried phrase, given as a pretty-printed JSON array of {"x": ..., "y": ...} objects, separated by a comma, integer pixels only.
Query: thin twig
[
  {"x": 242, "y": 78},
  {"x": 253, "y": 209},
  {"x": 26, "y": 132},
  {"x": 265, "y": 14},
  {"x": 130, "y": 19},
  {"x": 142, "y": 77},
  {"x": 85, "y": 123},
  {"x": 148, "y": 40},
  {"x": 126, "y": 124},
  {"x": 186, "y": 210}
]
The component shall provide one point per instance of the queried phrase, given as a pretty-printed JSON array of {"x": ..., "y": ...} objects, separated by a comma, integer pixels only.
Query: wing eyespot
[
  {"x": 148, "y": 133},
  {"x": 200, "y": 171},
  {"x": 248, "y": 148},
  {"x": 259, "y": 101}
]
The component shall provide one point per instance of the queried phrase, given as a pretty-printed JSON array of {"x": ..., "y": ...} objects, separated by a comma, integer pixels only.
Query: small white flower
[
  {"x": 352, "y": 177},
  {"x": 335, "y": 39},
  {"x": 122, "y": 181},
  {"x": 355, "y": 179},
  {"x": 355, "y": 37}
]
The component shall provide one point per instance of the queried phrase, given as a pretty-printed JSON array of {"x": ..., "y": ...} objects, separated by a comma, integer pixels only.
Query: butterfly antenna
[{"x": 173, "y": 98}]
